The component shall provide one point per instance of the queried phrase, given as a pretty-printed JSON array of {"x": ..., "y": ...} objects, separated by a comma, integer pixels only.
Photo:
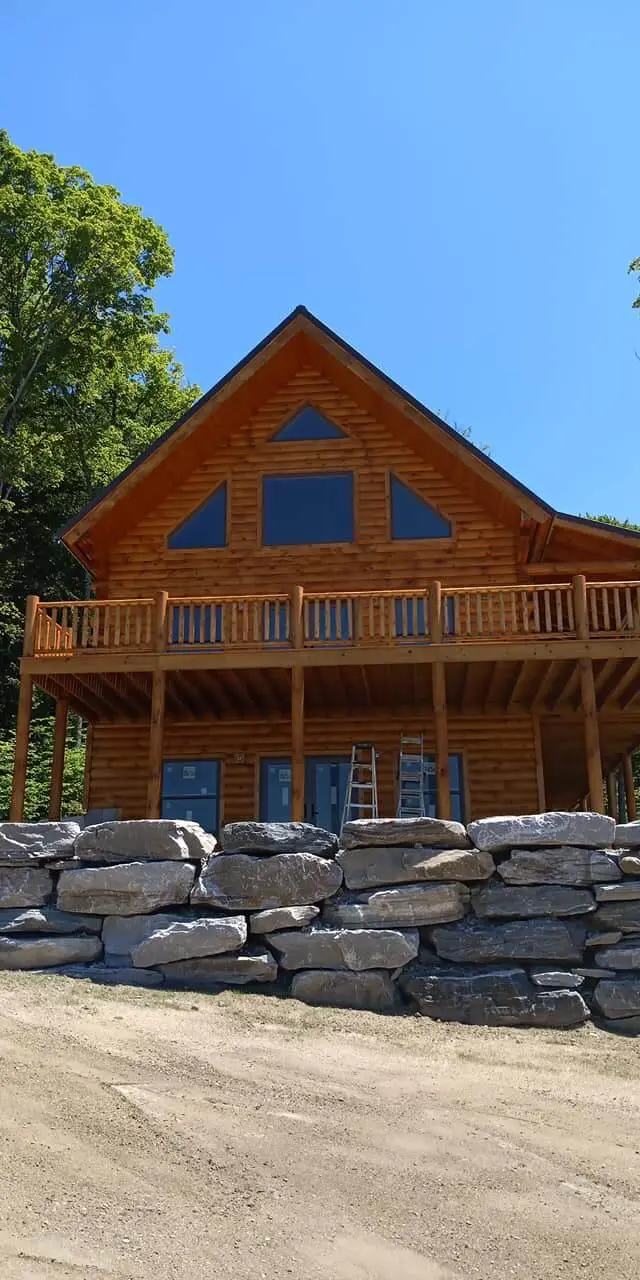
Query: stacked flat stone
[{"x": 530, "y": 920}]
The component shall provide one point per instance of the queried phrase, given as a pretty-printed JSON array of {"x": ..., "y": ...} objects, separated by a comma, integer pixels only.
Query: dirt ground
[{"x": 154, "y": 1134}]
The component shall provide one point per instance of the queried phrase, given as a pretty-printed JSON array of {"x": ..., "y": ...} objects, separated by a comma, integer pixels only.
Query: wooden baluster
[
  {"x": 525, "y": 610},
  {"x": 490, "y": 611},
  {"x": 559, "y": 611},
  {"x": 85, "y": 627},
  {"x": 547, "y": 613},
  {"x": 503, "y": 620},
  {"x": 629, "y": 608},
  {"x": 116, "y": 630},
  {"x": 435, "y": 612},
  {"x": 616, "y": 608},
  {"x": 456, "y": 615},
  {"x": 569, "y": 603},
  {"x": 479, "y": 612},
  {"x": 593, "y": 601},
  {"x": 536, "y": 612},
  {"x": 605, "y": 608},
  {"x": 372, "y": 619},
  {"x": 234, "y": 622},
  {"x": 338, "y": 618}
]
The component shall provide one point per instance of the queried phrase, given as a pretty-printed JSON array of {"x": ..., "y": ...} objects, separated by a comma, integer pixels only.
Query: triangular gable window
[
  {"x": 206, "y": 527},
  {"x": 412, "y": 517},
  {"x": 308, "y": 424}
]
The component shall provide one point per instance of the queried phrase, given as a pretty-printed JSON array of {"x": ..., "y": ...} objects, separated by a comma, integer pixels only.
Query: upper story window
[
  {"x": 412, "y": 517},
  {"x": 308, "y": 424},
  {"x": 307, "y": 509},
  {"x": 206, "y": 527}
]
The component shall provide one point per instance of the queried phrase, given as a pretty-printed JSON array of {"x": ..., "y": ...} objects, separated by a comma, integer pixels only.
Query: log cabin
[{"x": 311, "y": 559}]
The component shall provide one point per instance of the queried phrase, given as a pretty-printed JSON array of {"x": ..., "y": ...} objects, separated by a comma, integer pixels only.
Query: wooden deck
[{"x": 308, "y": 628}]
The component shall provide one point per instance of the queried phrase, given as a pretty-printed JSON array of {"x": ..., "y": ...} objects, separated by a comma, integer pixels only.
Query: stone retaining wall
[{"x": 513, "y": 921}]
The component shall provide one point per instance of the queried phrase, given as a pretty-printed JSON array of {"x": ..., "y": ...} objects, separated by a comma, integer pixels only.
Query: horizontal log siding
[
  {"x": 498, "y": 752},
  {"x": 482, "y": 547}
]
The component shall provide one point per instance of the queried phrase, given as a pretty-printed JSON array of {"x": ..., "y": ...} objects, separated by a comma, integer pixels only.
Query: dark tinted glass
[
  {"x": 310, "y": 508},
  {"x": 207, "y": 527},
  {"x": 308, "y": 424},
  {"x": 412, "y": 517}
]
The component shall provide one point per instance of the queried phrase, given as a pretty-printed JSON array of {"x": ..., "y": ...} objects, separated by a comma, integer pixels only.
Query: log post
[
  {"x": 612, "y": 795},
  {"x": 23, "y": 719},
  {"x": 156, "y": 734},
  {"x": 537, "y": 747},
  {"x": 588, "y": 697},
  {"x": 629, "y": 789},
  {"x": 297, "y": 708},
  {"x": 443, "y": 794},
  {"x": 591, "y": 734},
  {"x": 57, "y": 764}
]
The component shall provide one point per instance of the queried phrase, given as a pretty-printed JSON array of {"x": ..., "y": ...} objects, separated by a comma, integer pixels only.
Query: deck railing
[{"x": 451, "y": 615}]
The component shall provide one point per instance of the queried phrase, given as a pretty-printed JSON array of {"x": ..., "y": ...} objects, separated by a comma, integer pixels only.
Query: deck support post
[
  {"x": 588, "y": 697},
  {"x": 23, "y": 719},
  {"x": 297, "y": 708},
  {"x": 612, "y": 794},
  {"x": 537, "y": 747},
  {"x": 57, "y": 764},
  {"x": 629, "y": 789},
  {"x": 439, "y": 692},
  {"x": 154, "y": 787}
]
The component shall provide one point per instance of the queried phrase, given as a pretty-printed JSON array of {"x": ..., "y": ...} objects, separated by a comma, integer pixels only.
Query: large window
[
  {"x": 191, "y": 789},
  {"x": 308, "y": 424},
  {"x": 206, "y": 527},
  {"x": 307, "y": 509},
  {"x": 412, "y": 517}
]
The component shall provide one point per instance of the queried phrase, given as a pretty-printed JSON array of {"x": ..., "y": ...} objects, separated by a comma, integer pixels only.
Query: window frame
[
  {"x": 270, "y": 547},
  {"x": 441, "y": 540},
  {"x": 189, "y": 551}
]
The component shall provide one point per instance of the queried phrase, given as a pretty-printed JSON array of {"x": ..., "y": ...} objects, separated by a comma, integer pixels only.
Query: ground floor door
[
  {"x": 325, "y": 787},
  {"x": 191, "y": 789}
]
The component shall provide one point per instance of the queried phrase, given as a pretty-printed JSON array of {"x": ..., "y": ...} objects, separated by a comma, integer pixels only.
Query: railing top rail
[
  {"x": 276, "y": 597},
  {"x": 94, "y": 604},
  {"x": 511, "y": 586}
]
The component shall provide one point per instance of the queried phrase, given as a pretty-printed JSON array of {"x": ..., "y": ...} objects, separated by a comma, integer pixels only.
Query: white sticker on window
[
  {"x": 188, "y": 771},
  {"x": 284, "y": 775}
]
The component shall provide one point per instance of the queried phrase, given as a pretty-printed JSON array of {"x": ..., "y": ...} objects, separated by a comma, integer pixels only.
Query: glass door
[
  {"x": 325, "y": 790},
  {"x": 191, "y": 789},
  {"x": 275, "y": 790}
]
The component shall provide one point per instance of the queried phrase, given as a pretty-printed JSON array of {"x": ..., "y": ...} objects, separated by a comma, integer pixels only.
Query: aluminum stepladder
[
  {"x": 361, "y": 798},
  {"x": 411, "y": 777}
]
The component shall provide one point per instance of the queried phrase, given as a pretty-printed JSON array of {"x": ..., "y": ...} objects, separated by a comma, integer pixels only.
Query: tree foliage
[{"x": 85, "y": 383}]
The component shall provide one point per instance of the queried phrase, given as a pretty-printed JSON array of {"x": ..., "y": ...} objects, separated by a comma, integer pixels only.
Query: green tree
[{"x": 85, "y": 383}]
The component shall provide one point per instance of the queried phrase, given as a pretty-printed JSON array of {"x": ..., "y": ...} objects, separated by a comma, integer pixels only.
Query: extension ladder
[
  {"x": 411, "y": 777},
  {"x": 361, "y": 797}
]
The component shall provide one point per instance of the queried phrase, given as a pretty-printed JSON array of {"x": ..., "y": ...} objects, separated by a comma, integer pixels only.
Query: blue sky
[{"x": 452, "y": 186}]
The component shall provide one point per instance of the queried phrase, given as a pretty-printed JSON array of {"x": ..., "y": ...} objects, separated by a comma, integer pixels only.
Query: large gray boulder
[
  {"x": 406, "y": 906},
  {"x": 185, "y": 939},
  {"x": 345, "y": 948},
  {"x": 542, "y": 830},
  {"x": 240, "y": 882},
  {"x": 42, "y": 953},
  {"x": 496, "y": 901},
  {"x": 47, "y": 920},
  {"x": 278, "y": 837},
  {"x": 120, "y": 934},
  {"x": 147, "y": 839},
  {"x": 29, "y": 843},
  {"x": 495, "y": 997},
  {"x": 627, "y": 835},
  {"x": 621, "y": 1026},
  {"x": 624, "y": 916},
  {"x": 623, "y": 956},
  {"x": 108, "y": 975},
  {"x": 545, "y": 938},
  {"x": 562, "y": 979},
  {"x": 276, "y": 918},
  {"x": 367, "y": 866},
  {"x": 342, "y": 989},
  {"x": 618, "y": 997},
  {"x": 434, "y": 832},
  {"x": 625, "y": 891},
  {"x": 564, "y": 865},
  {"x": 235, "y": 969},
  {"x": 24, "y": 886},
  {"x": 134, "y": 888},
  {"x": 629, "y": 864}
]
